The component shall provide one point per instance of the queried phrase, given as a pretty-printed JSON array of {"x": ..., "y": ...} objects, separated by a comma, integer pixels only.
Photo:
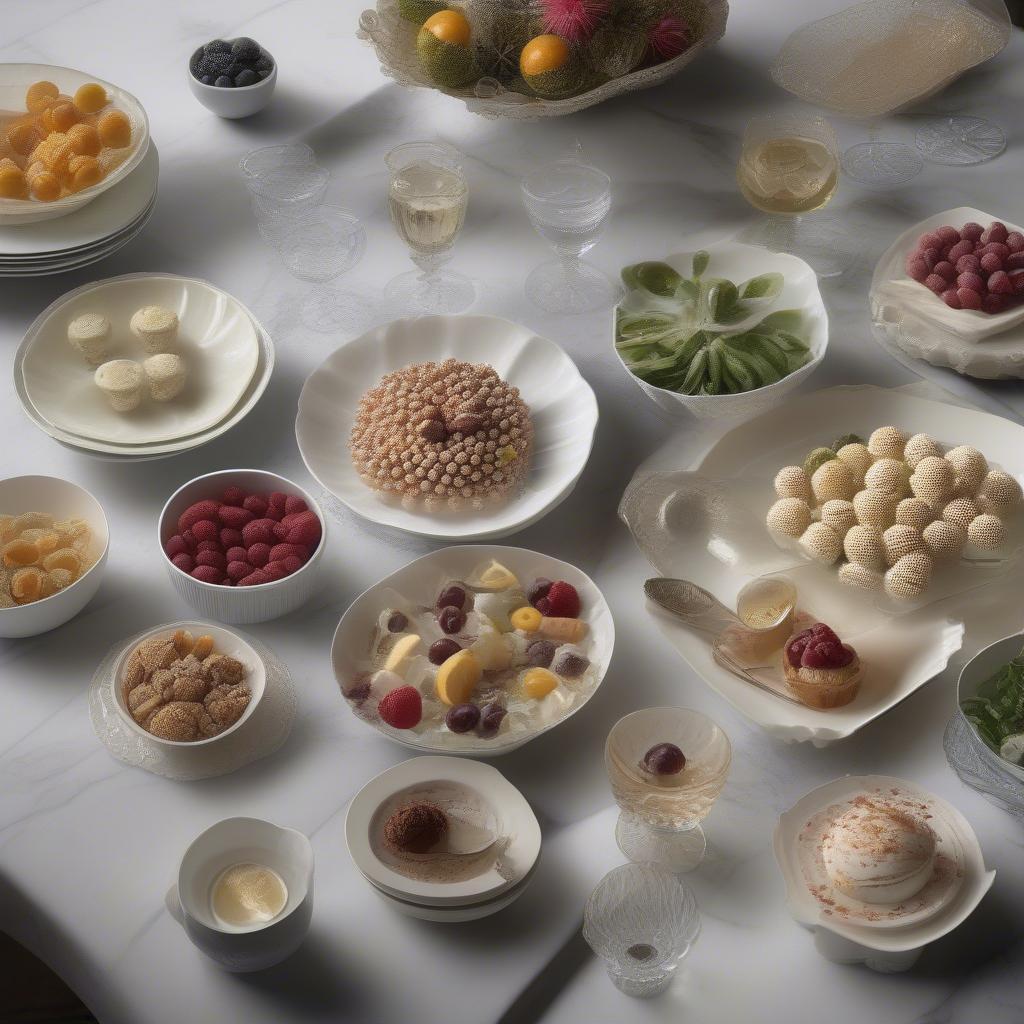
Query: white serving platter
[{"x": 562, "y": 406}]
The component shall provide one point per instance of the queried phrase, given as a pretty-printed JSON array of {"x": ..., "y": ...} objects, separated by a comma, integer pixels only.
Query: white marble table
[{"x": 88, "y": 847}]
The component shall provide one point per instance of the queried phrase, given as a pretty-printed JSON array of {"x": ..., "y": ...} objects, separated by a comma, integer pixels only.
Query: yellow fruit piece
[
  {"x": 83, "y": 172},
  {"x": 55, "y": 153},
  {"x": 449, "y": 27},
  {"x": 39, "y": 96},
  {"x": 90, "y": 98},
  {"x": 84, "y": 139},
  {"x": 457, "y": 678},
  {"x": 539, "y": 682},
  {"x": 12, "y": 181},
  {"x": 30, "y": 521},
  {"x": 20, "y": 552},
  {"x": 570, "y": 631},
  {"x": 27, "y": 585},
  {"x": 45, "y": 186},
  {"x": 543, "y": 54},
  {"x": 45, "y": 540},
  {"x": 23, "y": 135},
  {"x": 498, "y": 577},
  {"x": 63, "y": 558},
  {"x": 61, "y": 578},
  {"x": 401, "y": 652},
  {"x": 527, "y": 619},
  {"x": 203, "y": 647},
  {"x": 60, "y": 117},
  {"x": 115, "y": 129}
]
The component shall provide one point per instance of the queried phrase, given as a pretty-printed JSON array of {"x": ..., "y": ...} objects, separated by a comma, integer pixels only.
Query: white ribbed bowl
[{"x": 240, "y": 605}]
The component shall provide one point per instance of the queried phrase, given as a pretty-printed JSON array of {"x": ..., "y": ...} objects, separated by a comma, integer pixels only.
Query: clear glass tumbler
[
  {"x": 258, "y": 163},
  {"x": 282, "y": 195},
  {"x": 642, "y": 921},
  {"x": 568, "y": 202}
]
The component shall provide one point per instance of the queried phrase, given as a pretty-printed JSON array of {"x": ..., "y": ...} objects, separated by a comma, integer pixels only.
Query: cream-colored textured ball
[
  {"x": 960, "y": 512},
  {"x": 789, "y": 516},
  {"x": 914, "y": 512},
  {"x": 858, "y": 458},
  {"x": 969, "y": 469},
  {"x": 919, "y": 447},
  {"x": 839, "y": 514},
  {"x": 821, "y": 543},
  {"x": 932, "y": 480},
  {"x": 887, "y": 443},
  {"x": 1000, "y": 491},
  {"x": 166, "y": 374},
  {"x": 833, "y": 480},
  {"x": 943, "y": 540},
  {"x": 863, "y": 546},
  {"x": 121, "y": 380},
  {"x": 792, "y": 482},
  {"x": 889, "y": 475},
  {"x": 899, "y": 541},
  {"x": 854, "y": 575},
  {"x": 909, "y": 577},
  {"x": 986, "y": 531},
  {"x": 875, "y": 508}
]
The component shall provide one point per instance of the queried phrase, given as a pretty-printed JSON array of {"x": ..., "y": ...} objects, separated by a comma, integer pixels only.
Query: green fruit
[
  {"x": 417, "y": 11},
  {"x": 449, "y": 65},
  {"x": 557, "y": 84},
  {"x": 817, "y": 458},
  {"x": 842, "y": 442}
]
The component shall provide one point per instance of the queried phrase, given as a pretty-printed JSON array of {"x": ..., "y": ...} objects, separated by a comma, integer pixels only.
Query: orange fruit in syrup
[
  {"x": 115, "y": 129},
  {"x": 543, "y": 54},
  {"x": 91, "y": 97},
  {"x": 39, "y": 96},
  {"x": 449, "y": 27}
]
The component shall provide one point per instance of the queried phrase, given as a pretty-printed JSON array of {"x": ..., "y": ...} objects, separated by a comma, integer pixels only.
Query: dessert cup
[
  {"x": 660, "y": 819},
  {"x": 825, "y": 688}
]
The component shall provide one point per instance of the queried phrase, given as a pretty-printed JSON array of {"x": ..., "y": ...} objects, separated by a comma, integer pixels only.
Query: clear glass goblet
[
  {"x": 319, "y": 247},
  {"x": 642, "y": 921},
  {"x": 258, "y": 163},
  {"x": 427, "y": 199},
  {"x": 661, "y": 814},
  {"x": 568, "y": 202}
]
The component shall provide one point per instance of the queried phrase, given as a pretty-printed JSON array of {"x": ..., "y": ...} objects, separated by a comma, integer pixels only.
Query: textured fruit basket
[{"x": 394, "y": 37}]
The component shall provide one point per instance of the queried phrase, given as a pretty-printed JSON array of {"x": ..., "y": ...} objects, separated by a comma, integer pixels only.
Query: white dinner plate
[
  {"x": 217, "y": 340},
  {"x": 562, "y": 406}
]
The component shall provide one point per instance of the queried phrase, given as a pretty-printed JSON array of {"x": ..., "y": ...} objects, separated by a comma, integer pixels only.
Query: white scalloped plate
[
  {"x": 562, "y": 406},
  {"x": 217, "y": 340}
]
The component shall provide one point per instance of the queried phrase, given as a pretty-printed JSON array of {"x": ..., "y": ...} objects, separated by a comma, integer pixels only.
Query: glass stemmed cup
[
  {"x": 568, "y": 202},
  {"x": 427, "y": 199}
]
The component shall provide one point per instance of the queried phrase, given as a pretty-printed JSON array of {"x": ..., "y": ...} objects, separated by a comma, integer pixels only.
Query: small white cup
[{"x": 234, "y": 841}]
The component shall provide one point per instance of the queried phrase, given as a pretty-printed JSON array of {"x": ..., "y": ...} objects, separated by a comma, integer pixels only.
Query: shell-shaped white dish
[
  {"x": 919, "y": 323},
  {"x": 807, "y": 911},
  {"x": 517, "y": 822},
  {"x": 739, "y": 262},
  {"x": 216, "y": 339},
  {"x": 418, "y": 581},
  {"x": 14, "y": 80},
  {"x": 111, "y": 213},
  {"x": 714, "y": 534},
  {"x": 562, "y": 406}
]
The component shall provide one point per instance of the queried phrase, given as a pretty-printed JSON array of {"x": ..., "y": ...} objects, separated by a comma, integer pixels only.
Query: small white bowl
[
  {"x": 63, "y": 500},
  {"x": 234, "y": 103},
  {"x": 14, "y": 80},
  {"x": 240, "y": 605},
  {"x": 224, "y": 642},
  {"x": 739, "y": 262}
]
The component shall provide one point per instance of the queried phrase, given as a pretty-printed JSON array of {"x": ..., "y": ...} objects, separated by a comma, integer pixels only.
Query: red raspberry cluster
[
  {"x": 244, "y": 539},
  {"x": 973, "y": 268},
  {"x": 558, "y": 600},
  {"x": 818, "y": 647}
]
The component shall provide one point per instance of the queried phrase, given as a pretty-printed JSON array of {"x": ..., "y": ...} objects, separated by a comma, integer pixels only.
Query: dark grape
[
  {"x": 397, "y": 623},
  {"x": 491, "y": 718},
  {"x": 538, "y": 589},
  {"x": 451, "y": 619},
  {"x": 462, "y": 717},
  {"x": 571, "y": 665},
  {"x": 664, "y": 759},
  {"x": 442, "y": 650},
  {"x": 454, "y": 596},
  {"x": 540, "y": 653}
]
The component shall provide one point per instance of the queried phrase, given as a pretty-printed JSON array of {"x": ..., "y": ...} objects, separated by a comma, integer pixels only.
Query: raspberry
[
  {"x": 1015, "y": 241},
  {"x": 968, "y": 264},
  {"x": 951, "y": 299},
  {"x": 293, "y": 503},
  {"x": 196, "y": 513},
  {"x": 281, "y": 531},
  {"x": 233, "y": 496},
  {"x": 992, "y": 303},
  {"x": 971, "y": 231},
  {"x": 259, "y": 531},
  {"x": 401, "y": 708},
  {"x": 996, "y": 232},
  {"x": 945, "y": 270},
  {"x": 256, "y": 505},
  {"x": 292, "y": 563},
  {"x": 973, "y": 281},
  {"x": 935, "y": 283},
  {"x": 254, "y": 579},
  {"x": 276, "y": 503},
  {"x": 948, "y": 234},
  {"x": 207, "y": 545},
  {"x": 175, "y": 546},
  {"x": 237, "y": 554},
  {"x": 1015, "y": 261},
  {"x": 818, "y": 633},
  {"x": 930, "y": 257},
  {"x": 969, "y": 298},
  {"x": 931, "y": 240},
  {"x": 826, "y": 653},
  {"x": 305, "y": 530},
  {"x": 562, "y": 601},
  {"x": 1018, "y": 284},
  {"x": 258, "y": 555},
  {"x": 990, "y": 263},
  {"x": 234, "y": 517},
  {"x": 1000, "y": 284},
  {"x": 275, "y": 570},
  {"x": 962, "y": 248},
  {"x": 183, "y": 560},
  {"x": 916, "y": 268},
  {"x": 214, "y": 558},
  {"x": 997, "y": 249},
  {"x": 205, "y": 529},
  {"x": 238, "y": 570},
  {"x": 230, "y": 538},
  {"x": 279, "y": 552},
  {"x": 207, "y": 574}
]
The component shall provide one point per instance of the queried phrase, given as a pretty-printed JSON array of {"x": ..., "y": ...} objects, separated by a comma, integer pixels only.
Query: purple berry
[
  {"x": 1015, "y": 241},
  {"x": 997, "y": 249},
  {"x": 441, "y": 650},
  {"x": 951, "y": 299},
  {"x": 451, "y": 619},
  {"x": 973, "y": 281},
  {"x": 397, "y": 623},
  {"x": 930, "y": 257},
  {"x": 540, "y": 653},
  {"x": 945, "y": 270},
  {"x": 1000, "y": 284},
  {"x": 360, "y": 688},
  {"x": 491, "y": 717},
  {"x": 538, "y": 590},
  {"x": 935, "y": 283},
  {"x": 664, "y": 759},
  {"x": 453, "y": 596},
  {"x": 571, "y": 665},
  {"x": 990, "y": 263},
  {"x": 961, "y": 249},
  {"x": 972, "y": 231},
  {"x": 916, "y": 268},
  {"x": 994, "y": 303},
  {"x": 223, "y": 82},
  {"x": 969, "y": 298},
  {"x": 968, "y": 264},
  {"x": 462, "y": 717},
  {"x": 996, "y": 232}
]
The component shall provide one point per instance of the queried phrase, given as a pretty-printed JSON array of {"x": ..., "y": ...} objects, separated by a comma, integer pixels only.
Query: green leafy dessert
[
  {"x": 702, "y": 335},
  {"x": 997, "y": 712}
]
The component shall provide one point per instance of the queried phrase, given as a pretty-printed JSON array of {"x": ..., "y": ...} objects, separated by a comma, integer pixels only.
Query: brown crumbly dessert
[
  {"x": 177, "y": 688},
  {"x": 446, "y": 434},
  {"x": 416, "y": 828}
]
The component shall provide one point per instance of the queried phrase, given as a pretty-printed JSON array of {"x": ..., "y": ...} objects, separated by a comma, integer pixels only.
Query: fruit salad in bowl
[{"x": 473, "y": 650}]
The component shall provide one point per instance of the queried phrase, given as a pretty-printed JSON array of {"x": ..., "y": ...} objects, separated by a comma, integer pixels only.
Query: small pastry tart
[{"x": 821, "y": 670}]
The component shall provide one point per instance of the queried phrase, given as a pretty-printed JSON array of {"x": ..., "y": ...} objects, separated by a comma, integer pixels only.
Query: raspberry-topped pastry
[{"x": 822, "y": 670}]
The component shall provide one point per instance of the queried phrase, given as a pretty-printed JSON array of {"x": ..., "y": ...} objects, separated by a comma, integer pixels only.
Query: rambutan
[
  {"x": 669, "y": 37},
  {"x": 573, "y": 20}
]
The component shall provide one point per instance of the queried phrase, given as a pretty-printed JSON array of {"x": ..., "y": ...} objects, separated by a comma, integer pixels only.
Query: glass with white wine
[
  {"x": 427, "y": 199},
  {"x": 789, "y": 166}
]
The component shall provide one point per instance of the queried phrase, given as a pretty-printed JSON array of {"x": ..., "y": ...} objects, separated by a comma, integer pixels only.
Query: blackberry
[
  {"x": 246, "y": 49},
  {"x": 265, "y": 63},
  {"x": 246, "y": 77},
  {"x": 223, "y": 82},
  {"x": 217, "y": 46}
]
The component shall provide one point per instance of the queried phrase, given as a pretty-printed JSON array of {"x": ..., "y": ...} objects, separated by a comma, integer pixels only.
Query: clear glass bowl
[{"x": 258, "y": 163}]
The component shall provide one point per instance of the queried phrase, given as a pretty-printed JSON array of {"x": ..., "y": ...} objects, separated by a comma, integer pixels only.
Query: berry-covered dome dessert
[
  {"x": 820, "y": 669},
  {"x": 449, "y": 434}
]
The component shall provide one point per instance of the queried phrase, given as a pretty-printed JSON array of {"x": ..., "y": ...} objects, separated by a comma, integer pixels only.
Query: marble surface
[{"x": 88, "y": 847}]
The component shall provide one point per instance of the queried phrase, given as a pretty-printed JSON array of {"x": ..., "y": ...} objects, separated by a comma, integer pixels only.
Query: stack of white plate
[
  {"x": 228, "y": 355},
  {"x": 501, "y": 876}
]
